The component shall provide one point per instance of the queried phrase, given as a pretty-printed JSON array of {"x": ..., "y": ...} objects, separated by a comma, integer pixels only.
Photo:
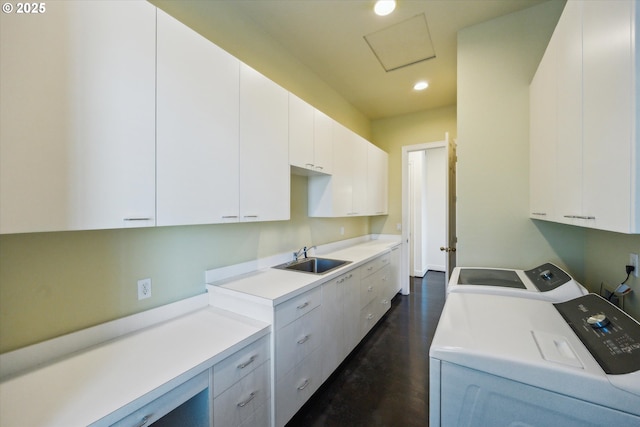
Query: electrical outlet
[
  {"x": 633, "y": 260},
  {"x": 342, "y": 231},
  {"x": 144, "y": 288}
]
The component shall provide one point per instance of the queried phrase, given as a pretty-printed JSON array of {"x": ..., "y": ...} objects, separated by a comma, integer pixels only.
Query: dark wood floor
[{"x": 385, "y": 380}]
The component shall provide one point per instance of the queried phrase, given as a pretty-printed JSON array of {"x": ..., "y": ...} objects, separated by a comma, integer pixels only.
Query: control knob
[{"x": 597, "y": 321}]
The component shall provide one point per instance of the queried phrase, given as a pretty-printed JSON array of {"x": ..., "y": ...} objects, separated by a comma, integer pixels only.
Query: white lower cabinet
[
  {"x": 375, "y": 296},
  {"x": 312, "y": 334},
  {"x": 340, "y": 327},
  {"x": 242, "y": 387},
  {"x": 297, "y": 338},
  {"x": 297, "y": 386}
]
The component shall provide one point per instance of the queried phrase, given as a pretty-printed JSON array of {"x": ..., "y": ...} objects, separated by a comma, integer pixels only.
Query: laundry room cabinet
[
  {"x": 197, "y": 128},
  {"x": 584, "y": 147},
  {"x": 77, "y": 141},
  {"x": 310, "y": 143},
  {"x": 264, "y": 148}
]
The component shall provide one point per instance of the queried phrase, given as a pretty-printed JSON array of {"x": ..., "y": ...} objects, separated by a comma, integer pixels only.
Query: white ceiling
[{"x": 328, "y": 37}]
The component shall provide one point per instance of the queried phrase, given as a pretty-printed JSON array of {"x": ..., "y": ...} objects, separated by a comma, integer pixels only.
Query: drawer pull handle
[
  {"x": 304, "y": 385},
  {"x": 370, "y": 268},
  {"x": 301, "y": 306},
  {"x": 229, "y": 216},
  {"x": 370, "y": 316},
  {"x": 370, "y": 288},
  {"x": 304, "y": 339},
  {"x": 144, "y": 420},
  {"x": 137, "y": 219},
  {"x": 249, "y": 399},
  {"x": 580, "y": 217},
  {"x": 248, "y": 362}
]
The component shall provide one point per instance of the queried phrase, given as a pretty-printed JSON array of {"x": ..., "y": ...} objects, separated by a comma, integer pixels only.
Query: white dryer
[
  {"x": 546, "y": 282},
  {"x": 499, "y": 360}
]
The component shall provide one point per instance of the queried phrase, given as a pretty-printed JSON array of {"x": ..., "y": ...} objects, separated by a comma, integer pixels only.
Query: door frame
[{"x": 405, "y": 264}]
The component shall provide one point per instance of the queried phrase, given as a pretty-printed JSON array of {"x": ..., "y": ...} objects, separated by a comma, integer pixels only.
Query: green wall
[
  {"x": 56, "y": 283},
  {"x": 496, "y": 61},
  {"x": 391, "y": 134}
]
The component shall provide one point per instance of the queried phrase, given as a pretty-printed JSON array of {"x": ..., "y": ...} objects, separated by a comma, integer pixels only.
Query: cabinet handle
[
  {"x": 248, "y": 362},
  {"x": 341, "y": 280},
  {"x": 304, "y": 339},
  {"x": 249, "y": 399},
  {"x": 137, "y": 219},
  {"x": 580, "y": 217},
  {"x": 539, "y": 213},
  {"x": 370, "y": 288},
  {"x": 250, "y": 216},
  {"x": 370, "y": 316},
  {"x": 304, "y": 384},
  {"x": 319, "y": 167},
  {"x": 301, "y": 306},
  {"x": 309, "y": 164},
  {"x": 229, "y": 216},
  {"x": 144, "y": 420}
]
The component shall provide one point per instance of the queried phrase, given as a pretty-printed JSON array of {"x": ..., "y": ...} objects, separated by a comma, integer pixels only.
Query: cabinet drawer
[
  {"x": 260, "y": 418},
  {"x": 299, "y": 306},
  {"x": 295, "y": 388},
  {"x": 375, "y": 265},
  {"x": 369, "y": 315},
  {"x": 296, "y": 341},
  {"x": 236, "y": 366},
  {"x": 238, "y": 403}
]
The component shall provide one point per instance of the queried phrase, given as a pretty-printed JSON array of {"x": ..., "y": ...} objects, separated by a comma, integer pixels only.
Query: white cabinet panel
[
  {"x": 322, "y": 142},
  {"x": 593, "y": 119},
  {"x": 609, "y": 115},
  {"x": 198, "y": 119},
  {"x": 310, "y": 146},
  {"x": 264, "y": 148},
  {"x": 296, "y": 341},
  {"x": 377, "y": 179},
  {"x": 77, "y": 140},
  {"x": 297, "y": 386}
]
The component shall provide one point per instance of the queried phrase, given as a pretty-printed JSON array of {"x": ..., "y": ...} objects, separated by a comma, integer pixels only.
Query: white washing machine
[
  {"x": 546, "y": 282},
  {"x": 504, "y": 361}
]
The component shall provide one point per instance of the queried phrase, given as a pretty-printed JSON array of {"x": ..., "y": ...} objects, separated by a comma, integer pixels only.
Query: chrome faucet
[{"x": 304, "y": 250}]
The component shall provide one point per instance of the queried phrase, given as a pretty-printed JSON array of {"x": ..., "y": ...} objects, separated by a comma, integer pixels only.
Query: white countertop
[
  {"x": 274, "y": 286},
  {"x": 130, "y": 371}
]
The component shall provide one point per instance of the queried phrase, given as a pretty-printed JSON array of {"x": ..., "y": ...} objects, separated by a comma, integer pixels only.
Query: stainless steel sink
[{"x": 313, "y": 265}]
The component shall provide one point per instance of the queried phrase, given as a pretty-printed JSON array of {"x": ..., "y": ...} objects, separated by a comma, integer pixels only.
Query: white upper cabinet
[
  {"x": 322, "y": 142},
  {"x": 77, "y": 140},
  {"x": 310, "y": 146},
  {"x": 610, "y": 149},
  {"x": 377, "y": 178},
  {"x": 198, "y": 128},
  {"x": 583, "y": 120},
  {"x": 264, "y": 148},
  {"x": 356, "y": 187}
]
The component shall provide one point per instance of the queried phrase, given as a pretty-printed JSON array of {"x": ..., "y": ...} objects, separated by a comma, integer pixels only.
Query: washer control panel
[
  {"x": 547, "y": 277},
  {"x": 610, "y": 334}
]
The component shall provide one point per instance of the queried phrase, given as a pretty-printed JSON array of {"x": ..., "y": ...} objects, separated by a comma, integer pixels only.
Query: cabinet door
[
  {"x": 301, "y": 116},
  {"x": 333, "y": 325},
  {"x": 264, "y": 148},
  {"x": 359, "y": 176},
  {"x": 197, "y": 140},
  {"x": 377, "y": 176},
  {"x": 322, "y": 143},
  {"x": 343, "y": 164},
  {"x": 609, "y": 94},
  {"x": 77, "y": 140},
  {"x": 569, "y": 167},
  {"x": 543, "y": 130}
]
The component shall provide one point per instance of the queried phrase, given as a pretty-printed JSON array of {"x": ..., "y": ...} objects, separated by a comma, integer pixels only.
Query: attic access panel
[{"x": 402, "y": 44}]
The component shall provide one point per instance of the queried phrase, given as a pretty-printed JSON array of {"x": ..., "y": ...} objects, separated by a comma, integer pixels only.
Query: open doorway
[{"x": 428, "y": 209}]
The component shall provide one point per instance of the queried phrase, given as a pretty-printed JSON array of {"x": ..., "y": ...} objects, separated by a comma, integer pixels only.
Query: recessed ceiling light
[
  {"x": 384, "y": 7},
  {"x": 421, "y": 85}
]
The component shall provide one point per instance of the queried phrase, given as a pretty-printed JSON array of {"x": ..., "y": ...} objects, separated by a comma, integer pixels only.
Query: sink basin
[{"x": 313, "y": 265}]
